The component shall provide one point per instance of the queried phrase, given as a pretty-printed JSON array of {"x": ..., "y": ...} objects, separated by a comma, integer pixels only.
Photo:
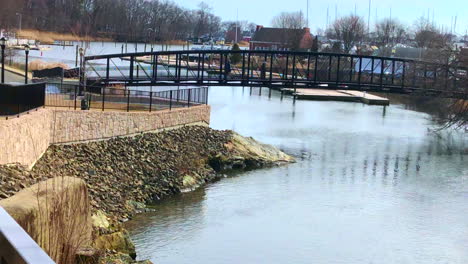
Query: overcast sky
[{"x": 262, "y": 11}]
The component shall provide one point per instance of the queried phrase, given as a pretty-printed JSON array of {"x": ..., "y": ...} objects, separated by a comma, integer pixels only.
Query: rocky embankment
[{"x": 124, "y": 174}]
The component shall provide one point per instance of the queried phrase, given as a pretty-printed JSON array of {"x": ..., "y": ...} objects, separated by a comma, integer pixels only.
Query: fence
[
  {"x": 120, "y": 98},
  {"x": 16, "y": 99}
]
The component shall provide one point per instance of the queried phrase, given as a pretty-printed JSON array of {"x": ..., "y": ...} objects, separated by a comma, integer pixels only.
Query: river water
[{"x": 371, "y": 185}]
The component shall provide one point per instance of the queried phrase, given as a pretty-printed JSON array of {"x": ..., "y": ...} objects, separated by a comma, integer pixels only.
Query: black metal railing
[
  {"x": 274, "y": 69},
  {"x": 120, "y": 98},
  {"x": 17, "y": 99}
]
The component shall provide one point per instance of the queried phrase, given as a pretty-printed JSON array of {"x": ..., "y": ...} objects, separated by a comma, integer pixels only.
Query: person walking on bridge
[
  {"x": 227, "y": 70},
  {"x": 263, "y": 71}
]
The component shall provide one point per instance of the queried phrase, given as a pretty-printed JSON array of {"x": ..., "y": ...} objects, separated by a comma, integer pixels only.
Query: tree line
[
  {"x": 132, "y": 20},
  {"x": 351, "y": 31}
]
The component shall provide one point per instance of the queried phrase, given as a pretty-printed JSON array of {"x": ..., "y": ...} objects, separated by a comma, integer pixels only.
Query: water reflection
[{"x": 367, "y": 188}]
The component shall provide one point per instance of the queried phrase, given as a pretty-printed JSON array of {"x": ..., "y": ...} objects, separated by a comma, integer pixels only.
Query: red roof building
[{"x": 282, "y": 39}]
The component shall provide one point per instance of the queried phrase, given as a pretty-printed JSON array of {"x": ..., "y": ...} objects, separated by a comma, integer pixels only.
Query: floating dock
[{"x": 338, "y": 95}]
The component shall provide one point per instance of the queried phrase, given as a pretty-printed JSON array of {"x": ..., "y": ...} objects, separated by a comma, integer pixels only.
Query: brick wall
[{"x": 23, "y": 140}]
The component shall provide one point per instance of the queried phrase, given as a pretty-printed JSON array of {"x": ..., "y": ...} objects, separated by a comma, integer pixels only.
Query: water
[
  {"x": 369, "y": 186},
  {"x": 67, "y": 54}
]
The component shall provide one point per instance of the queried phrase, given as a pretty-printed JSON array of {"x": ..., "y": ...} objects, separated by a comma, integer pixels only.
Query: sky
[{"x": 406, "y": 11}]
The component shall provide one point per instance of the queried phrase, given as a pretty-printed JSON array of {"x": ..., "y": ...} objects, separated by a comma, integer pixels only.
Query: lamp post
[
  {"x": 80, "y": 70},
  {"x": 3, "y": 46},
  {"x": 26, "y": 50},
  {"x": 20, "y": 20}
]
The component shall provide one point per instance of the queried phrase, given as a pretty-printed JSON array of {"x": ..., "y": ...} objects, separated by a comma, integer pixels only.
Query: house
[
  {"x": 281, "y": 39},
  {"x": 232, "y": 36}
]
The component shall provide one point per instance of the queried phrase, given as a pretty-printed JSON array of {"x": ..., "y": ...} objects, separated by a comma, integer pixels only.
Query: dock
[{"x": 338, "y": 95}]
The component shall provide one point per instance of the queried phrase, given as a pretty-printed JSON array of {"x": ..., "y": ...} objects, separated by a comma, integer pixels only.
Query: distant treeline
[{"x": 132, "y": 20}]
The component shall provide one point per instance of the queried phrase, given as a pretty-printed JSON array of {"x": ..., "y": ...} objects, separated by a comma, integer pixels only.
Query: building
[
  {"x": 232, "y": 36},
  {"x": 282, "y": 39}
]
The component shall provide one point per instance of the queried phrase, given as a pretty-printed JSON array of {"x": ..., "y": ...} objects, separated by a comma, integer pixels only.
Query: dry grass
[
  {"x": 243, "y": 44},
  {"x": 42, "y": 65},
  {"x": 50, "y": 37},
  {"x": 173, "y": 42}
]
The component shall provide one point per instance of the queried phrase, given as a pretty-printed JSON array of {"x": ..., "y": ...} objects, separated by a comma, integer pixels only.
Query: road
[{"x": 11, "y": 77}]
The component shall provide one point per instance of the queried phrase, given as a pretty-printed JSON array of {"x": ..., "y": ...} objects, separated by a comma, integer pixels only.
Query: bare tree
[
  {"x": 348, "y": 30},
  {"x": 132, "y": 20},
  {"x": 290, "y": 20},
  {"x": 428, "y": 36},
  {"x": 389, "y": 32}
]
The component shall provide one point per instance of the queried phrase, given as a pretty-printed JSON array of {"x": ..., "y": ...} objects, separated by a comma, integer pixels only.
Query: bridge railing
[
  {"x": 16, "y": 246},
  {"x": 119, "y": 98},
  {"x": 270, "y": 68}
]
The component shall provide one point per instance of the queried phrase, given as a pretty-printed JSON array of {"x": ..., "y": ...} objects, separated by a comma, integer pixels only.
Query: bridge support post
[
  {"x": 293, "y": 79},
  {"x": 131, "y": 68},
  {"x": 315, "y": 69},
  {"x": 170, "y": 100},
  {"x": 188, "y": 98},
  {"x": 243, "y": 68},
  {"x": 360, "y": 72},
  {"x": 248, "y": 69},
  {"x": 382, "y": 72},
  {"x": 151, "y": 101},
  {"x": 221, "y": 67},
  {"x": 155, "y": 68},
  {"x": 128, "y": 100},
  {"x": 203, "y": 68},
  {"x": 271, "y": 68},
  {"x": 198, "y": 68},
  {"x": 338, "y": 70},
  {"x": 107, "y": 71},
  {"x": 103, "y": 89}
]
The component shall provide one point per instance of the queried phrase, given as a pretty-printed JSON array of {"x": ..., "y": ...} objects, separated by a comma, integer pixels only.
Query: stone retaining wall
[{"x": 23, "y": 140}]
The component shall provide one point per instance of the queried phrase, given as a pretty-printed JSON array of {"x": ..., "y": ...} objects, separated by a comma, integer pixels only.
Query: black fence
[
  {"x": 17, "y": 99},
  {"x": 56, "y": 72},
  {"x": 123, "y": 99}
]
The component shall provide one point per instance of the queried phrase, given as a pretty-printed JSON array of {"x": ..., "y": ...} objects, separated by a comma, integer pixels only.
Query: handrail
[
  {"x": 16, "y": 246},
  {"x": 300, "y": 53},
  {"x": 73, "y": 96}
]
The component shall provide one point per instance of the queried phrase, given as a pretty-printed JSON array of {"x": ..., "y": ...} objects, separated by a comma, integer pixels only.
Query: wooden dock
[{"x": 338, "y": 95}]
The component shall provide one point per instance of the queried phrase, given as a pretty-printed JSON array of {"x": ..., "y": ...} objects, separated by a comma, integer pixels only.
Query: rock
[
  {"x": 87, "y": 255},
  {"x": 118, "y": 241},
  {"x": 100, "y": 220},
  {"x": 55, "y": 213}
]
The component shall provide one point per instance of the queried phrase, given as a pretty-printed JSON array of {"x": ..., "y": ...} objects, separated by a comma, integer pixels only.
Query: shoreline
[{"x": 125, "y": 175}]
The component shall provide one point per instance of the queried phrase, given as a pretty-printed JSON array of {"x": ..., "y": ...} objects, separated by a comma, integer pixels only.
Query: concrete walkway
[{"x": 11, "y": 77}]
